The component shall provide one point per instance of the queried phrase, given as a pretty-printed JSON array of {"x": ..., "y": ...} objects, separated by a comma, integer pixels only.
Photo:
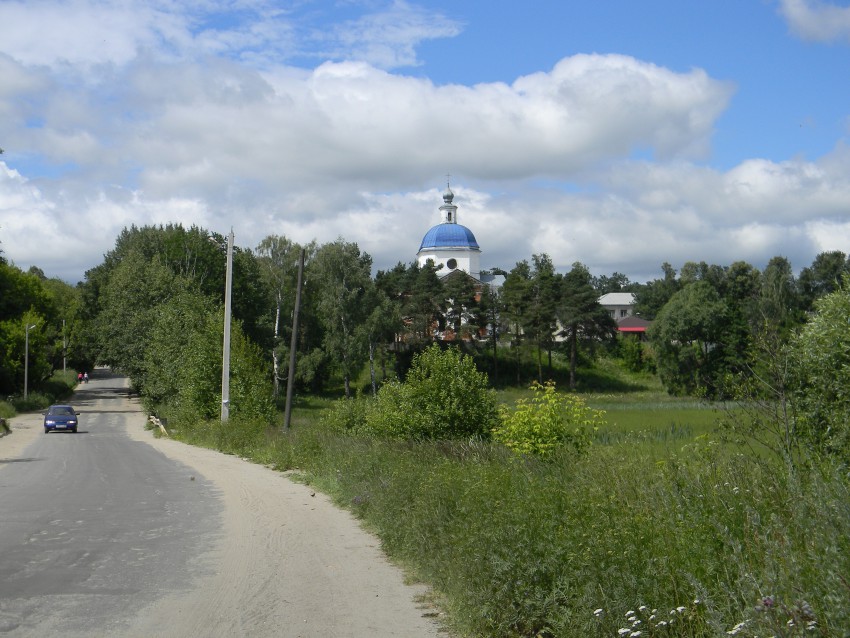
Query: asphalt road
[
  {"x": 95, "y": 525},
  {"x": 111, "y": 532}
]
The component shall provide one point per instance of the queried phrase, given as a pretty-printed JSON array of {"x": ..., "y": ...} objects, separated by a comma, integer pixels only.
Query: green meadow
[{"x": 662, "y": 528}]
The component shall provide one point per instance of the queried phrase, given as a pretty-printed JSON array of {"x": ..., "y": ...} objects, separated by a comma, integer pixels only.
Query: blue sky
[{"x": 620, "y": 134}]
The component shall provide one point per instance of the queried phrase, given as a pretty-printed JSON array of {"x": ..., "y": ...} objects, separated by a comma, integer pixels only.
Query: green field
[{"x": 661, "y": 528}]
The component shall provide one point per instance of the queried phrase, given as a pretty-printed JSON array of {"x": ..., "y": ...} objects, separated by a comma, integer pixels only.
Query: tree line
[{"x": 153, "y": 310}]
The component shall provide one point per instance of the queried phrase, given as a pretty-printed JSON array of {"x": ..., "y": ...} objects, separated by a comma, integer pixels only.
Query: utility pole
[
  {"x": 225, "y": 358},
  {"x": 290, "y": 381},
  {"x": 64, "y": 349},
  {"x": 27, "y": 358}
]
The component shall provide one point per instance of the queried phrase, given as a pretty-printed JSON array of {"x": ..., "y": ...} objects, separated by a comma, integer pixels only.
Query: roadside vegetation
[{"x": 544, "y": 475}]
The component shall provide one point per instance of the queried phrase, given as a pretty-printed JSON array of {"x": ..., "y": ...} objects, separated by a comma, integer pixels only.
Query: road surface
[{"x": 111, "y": 532}]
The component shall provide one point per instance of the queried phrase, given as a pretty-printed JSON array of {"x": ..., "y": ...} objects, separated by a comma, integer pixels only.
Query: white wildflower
[
  {"x": 634, "y": 634},
  {"x": 737, "y": 628},
  {"x": 642, "y": 608},
  {"x": 631, "y": 612},
  {"x": 598, "y": 612},
  {"x": 624, "y": 631},
  {"x": 681, "y": 610}
]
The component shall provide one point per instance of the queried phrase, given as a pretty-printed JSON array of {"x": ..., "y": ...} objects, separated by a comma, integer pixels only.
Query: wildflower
[
  {"x": 652, "y": 617},
  {"x": 681, "y": 610},
  {"x": 634, "y": 634},
  {"x": 697, "y": 601},
  {"x": 767, "y": 601},
  {"x": 631, "y": 612},
  {"x": 642, "y": 608},
  {"x": 624, "y": 631},
  {"x": 737, "y": 628},
  {"x": 663, "y": 623},
  {"x": 598, "y": 612},
  {"x": 632, "y": 619}
]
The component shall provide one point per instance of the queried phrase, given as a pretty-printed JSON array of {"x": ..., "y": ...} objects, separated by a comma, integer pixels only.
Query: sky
[{"x": 619, "y": 134}]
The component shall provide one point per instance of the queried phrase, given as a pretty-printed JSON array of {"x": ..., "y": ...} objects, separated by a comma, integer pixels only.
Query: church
[{"x": 453, "y": 247}]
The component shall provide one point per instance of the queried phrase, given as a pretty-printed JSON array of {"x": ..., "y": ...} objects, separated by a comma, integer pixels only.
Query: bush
[
  {"x": 34, "y": 402},
  {"x": 444, "y": 397},
  {"x": 822, "y": 353},
  {"x": 547, "y": 421},
  {"x": 346, "y": 415}
]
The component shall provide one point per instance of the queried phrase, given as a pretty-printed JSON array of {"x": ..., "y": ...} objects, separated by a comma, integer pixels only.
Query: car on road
[{"x": 60, "y": 417}]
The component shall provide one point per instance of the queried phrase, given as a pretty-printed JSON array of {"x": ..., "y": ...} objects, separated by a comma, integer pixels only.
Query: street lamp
[
  {"x": 27, "y": 357},
  {"x": 225, "y": 357}
]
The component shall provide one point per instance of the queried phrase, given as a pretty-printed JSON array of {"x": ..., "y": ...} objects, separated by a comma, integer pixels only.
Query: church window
[{"x": 452, "y": 263}]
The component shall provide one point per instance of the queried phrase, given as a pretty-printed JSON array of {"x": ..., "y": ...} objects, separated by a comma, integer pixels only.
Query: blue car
[{"x": 60, "y": 417}]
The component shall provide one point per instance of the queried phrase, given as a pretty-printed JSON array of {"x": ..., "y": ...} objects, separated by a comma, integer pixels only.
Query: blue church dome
[{"x": 449, "y": 236}]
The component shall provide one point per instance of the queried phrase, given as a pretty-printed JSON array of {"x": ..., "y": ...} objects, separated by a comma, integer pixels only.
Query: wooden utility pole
[{"x": 290, "y": 381}]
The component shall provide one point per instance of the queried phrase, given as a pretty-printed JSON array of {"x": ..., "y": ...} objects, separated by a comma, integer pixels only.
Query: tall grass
[{"x": 702, "y": 542}]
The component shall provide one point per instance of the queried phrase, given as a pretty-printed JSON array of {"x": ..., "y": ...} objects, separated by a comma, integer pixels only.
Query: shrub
[
  {"x": 346, "y": 415},
  {"x": 444, "y": 397},
  {"x": 822, "y": 365},
  {"x": 546, "y": 421}
]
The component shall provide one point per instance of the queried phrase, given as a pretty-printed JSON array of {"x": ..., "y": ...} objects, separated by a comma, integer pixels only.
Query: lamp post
[
  {"x": 27, "y": 358},
  {"x": 225, "y": 357}
]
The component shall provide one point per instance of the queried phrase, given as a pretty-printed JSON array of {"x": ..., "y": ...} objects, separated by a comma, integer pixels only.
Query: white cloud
[
  {"x": 148, "y": 113},
  {"x": 817, "y": 20},
  {"x": 388, "y": 38}
]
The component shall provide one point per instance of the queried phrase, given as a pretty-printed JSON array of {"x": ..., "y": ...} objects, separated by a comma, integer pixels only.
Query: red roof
[{"x": 633, "y": 324}]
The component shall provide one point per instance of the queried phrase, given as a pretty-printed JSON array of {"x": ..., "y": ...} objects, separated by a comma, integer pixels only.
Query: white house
[{"x": 619, "y": 305}]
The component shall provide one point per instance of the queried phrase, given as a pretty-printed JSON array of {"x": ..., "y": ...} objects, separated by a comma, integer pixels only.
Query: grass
[
  {"x": 661, "y": 528},
  {"x": 58, "y": 387}
]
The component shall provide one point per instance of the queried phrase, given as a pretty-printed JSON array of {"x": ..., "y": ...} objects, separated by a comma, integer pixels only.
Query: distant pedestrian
[
  {"x": 79, "y": 377},
  {"x": 86, "y": 377}
]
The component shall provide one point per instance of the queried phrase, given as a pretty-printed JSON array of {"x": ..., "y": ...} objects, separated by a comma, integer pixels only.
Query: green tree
[
  {"x": 822, "y": 277},
  {"x": 580, "y": 314},
  {"x": 544, "y": 296},
  {"x": 516, "y": 296},
  {"x": 278, "y": 258},
  {"x": 340, "y": 279},
  {"x": 199, "y": 376},
  {"x": 174, "y": 323},
  {"x": 652, "y": 296},
  {"x": 779, "y": 301},
  {"x": 686, "y": 337},
  {"x": 489, "y": 320},
  {"x": 822, "y": 365},
  {"x": 617, "y": 282},
  {"x": 460, "y": 303},
  {"x": 130, "y": 299},
  {"x": 27, "y": 298},
  {"x": 443, "y": 397},
  {"x": 426, "y": 305}
]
